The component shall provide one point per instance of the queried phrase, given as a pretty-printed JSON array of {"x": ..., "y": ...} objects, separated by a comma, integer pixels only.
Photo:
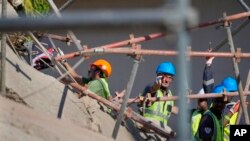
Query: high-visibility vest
[
  {"x": 218, "y": 130},
  {"x": 159, "y": 111},
  {"x": 105, "y": 93},
  {"x": 232, "y": 121},
  {"x": 195, "y": 122}
]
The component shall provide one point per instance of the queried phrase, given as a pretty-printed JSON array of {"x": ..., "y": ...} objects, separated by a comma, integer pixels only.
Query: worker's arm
[
  {"x": 231, "y": 112},
  {"x": 208, "y": 79},
  {"x": 73, "y": 73}
]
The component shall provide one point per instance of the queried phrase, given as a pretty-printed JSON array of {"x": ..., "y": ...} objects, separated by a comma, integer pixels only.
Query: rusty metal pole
[
  {"x": 245, "y": 90},
  {"x": 246, "y": 7},
  {"x": 237, "y": 29},
  {"x": 237, "y": 73},
  {"x": 130, "y": 83},
  {"x": 3, "y": 51}
]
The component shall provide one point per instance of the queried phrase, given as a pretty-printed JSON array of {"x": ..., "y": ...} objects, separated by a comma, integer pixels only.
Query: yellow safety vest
[
  {"x": 195, "y": 122},
  {"x": 159, "y": 111},
  {"x": 227, "y": 128}
]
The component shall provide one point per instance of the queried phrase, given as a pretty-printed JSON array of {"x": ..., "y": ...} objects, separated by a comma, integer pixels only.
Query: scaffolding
[{"x": 174, "y": 23}]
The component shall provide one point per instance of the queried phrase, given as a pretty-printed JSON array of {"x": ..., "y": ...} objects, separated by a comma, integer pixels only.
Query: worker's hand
[
  {"x": 235, "y": 107},
  {"x": 158, "y": 80},
  {"x": 209, "y": 60}
]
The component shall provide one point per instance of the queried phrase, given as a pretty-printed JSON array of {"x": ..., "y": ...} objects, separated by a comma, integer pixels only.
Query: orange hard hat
[{"x": 104, "y": 66}]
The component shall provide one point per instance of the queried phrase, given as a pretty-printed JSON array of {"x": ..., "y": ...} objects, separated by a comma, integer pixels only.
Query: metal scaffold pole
[
  {"x": 237, "y": 73},
  {"x": 3, "y": 51},
  {"x": 130, "y": 83}
]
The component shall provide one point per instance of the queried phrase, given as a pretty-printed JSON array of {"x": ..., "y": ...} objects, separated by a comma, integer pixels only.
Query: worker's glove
[
  {"x": 235, "y": 107},
  {"x": 209, "y": 61}
]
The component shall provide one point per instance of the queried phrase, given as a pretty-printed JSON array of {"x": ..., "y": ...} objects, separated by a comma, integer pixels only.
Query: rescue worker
[
  {"x": 230, "y": 85},
  {"x": 231, "y": 117},
  {"x": 159, "y": 112},
  {"x": 203, "y": 104},
  {"x": 211, "y": 127},
  {"x": 96, "y": 81}
]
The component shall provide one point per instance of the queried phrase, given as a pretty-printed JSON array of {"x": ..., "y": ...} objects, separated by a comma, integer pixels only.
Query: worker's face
[
  {"x": 220, "y": 103},
  {"x": 92, "y": 72},
  {"x": 166, "y": 80}
]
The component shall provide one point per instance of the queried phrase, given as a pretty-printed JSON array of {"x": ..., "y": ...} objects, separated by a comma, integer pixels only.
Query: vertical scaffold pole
[
  {"x": 237, "y": 73},
  {"x": 3, "y": 51},
  {"x": 130, "y": 83}
]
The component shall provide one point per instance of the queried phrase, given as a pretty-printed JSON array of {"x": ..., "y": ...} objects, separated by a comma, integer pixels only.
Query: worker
[
  {"x": 230, "y": 85},
  {"x": 231, "y": 117},
  {"x": 213, "y": 121},
  {"x": 96, "y": 81},
  {"x": 159, "y": 112},
  {"x": 203, "y": 103}
]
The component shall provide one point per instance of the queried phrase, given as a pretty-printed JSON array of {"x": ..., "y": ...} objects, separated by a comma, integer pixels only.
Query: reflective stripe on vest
[{"x": 159, "y": 111}]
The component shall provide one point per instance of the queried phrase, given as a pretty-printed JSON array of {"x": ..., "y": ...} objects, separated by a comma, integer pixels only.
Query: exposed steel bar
[
  {"x": 149, "y": 52},
  {"x": 129, "y": 113}
]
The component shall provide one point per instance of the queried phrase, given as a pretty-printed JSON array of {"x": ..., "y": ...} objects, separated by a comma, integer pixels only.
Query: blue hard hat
[
  {"x": 219, "y": 89},
  {"x": 230, "y": 84},
  {"x": 166, "y": 67}
]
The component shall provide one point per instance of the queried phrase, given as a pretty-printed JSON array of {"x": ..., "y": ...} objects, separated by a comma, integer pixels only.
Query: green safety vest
[
  {"x": 218, "y": 130},
  {"x": 100, "y": 87},
  {"x": 159, "y": 111},
  {"x": 227, "y": 128}
]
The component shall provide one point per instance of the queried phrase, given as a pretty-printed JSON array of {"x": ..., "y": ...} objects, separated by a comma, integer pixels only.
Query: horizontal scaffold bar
[
  {"x": 191, "y": 96},
  {"x": 130, "y": 51}
]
